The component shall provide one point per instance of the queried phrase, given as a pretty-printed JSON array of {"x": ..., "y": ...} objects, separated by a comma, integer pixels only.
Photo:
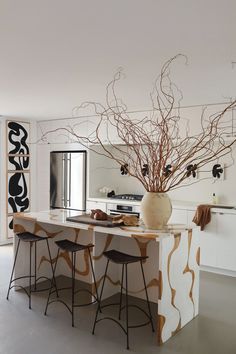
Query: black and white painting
[
  {"x": 18, "y": 163},
  {"x": 18, "y": 170},
  {"x": 10, "y": 226},
  {"x": 18, "y": 138},
  {"x": 18, "y": 192}
]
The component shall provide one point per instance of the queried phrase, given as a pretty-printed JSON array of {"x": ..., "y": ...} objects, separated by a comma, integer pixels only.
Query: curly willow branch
[{"x": 157, "y": 139}]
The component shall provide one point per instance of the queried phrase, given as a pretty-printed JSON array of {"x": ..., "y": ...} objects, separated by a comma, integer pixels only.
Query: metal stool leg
[
  {"x": 53, "y": 272},
  {"x": 121, "y": 289},
  {"x": 30, "y": 274},
  {"x": 35, "y": 265},
  {"x": 50, "y": 291},
  {"x": 100, "y": 299},
  {"x": 13, "y": 268},
  {"x": 148, "y": 303},
  {"x": 73, "y": 257},
  {"x": 94, "y": 280},
  {"x": 127, "y": 304}
]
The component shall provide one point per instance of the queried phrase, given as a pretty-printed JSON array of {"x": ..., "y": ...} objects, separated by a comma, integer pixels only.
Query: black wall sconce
[
  {"x": 124, "y": 169},
  {"x": 217, "y": 170},
  {"x": 192, "y": 171}
]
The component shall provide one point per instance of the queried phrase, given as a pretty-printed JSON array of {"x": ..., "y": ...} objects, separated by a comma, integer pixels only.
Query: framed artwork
[
  {"x": 10, "y": 226},
  {"x": 18, "y": 163},
  {"x": 18, "y": 170},
  {"x": 18, "y": 192},
  {"x": 17, "y": 138}
]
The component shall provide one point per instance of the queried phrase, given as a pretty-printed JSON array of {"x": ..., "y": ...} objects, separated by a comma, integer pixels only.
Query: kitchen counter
[
  {"x": 176, "y": 204},
  {"x": 172, "y": 267},
  {"x": 58, "y": 217}
]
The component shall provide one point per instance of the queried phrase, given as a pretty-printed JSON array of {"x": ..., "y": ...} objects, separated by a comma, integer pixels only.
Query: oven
[{"x": 128, "y": 209}]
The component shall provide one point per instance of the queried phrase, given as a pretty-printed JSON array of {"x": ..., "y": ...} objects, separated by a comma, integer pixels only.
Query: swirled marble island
[{"x": 172, "y": 269}]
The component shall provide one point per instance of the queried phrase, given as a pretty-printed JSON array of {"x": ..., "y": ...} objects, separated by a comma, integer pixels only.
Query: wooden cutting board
[{"x": 86, "y": 219}]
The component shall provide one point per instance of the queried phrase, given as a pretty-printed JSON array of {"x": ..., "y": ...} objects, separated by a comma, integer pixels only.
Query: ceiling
[{"x": 56, "y": 54}]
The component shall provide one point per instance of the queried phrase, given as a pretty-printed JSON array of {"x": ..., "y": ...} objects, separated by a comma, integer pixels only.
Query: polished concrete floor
[{"x": 24, "y": 331}]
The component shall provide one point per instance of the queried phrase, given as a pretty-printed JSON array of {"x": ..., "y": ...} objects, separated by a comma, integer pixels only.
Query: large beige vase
[{"x": 156, "y": 209}]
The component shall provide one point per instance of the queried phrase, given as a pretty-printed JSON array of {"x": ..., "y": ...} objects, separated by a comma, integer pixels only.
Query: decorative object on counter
[
  {"x": 127, "y": 220},
  {"x": 160, "y": 139},
  {"x": 106, "y": 190},
  {"x": 156, "y": 209},
  {"x": 98, "y": 214},
  {"x": 214, "y": 199},
  {"x": 111, "y": 194}
]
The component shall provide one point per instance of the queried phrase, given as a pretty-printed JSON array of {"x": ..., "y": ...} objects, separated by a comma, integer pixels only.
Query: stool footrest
[
  {"x": 62, "y": 302},
  {"x": 114, "y": 320},
  {"x": 21, "y": 287}
]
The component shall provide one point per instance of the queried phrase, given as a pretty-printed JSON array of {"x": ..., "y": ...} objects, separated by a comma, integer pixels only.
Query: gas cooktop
[{"x": 127, "y": 196}]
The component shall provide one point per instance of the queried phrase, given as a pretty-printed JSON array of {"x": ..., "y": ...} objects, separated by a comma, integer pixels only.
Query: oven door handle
[{"x": 116, "y": 212}]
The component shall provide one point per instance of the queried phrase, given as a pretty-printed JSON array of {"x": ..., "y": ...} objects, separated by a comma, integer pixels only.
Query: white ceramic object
[{"x": 156, "y": 210}]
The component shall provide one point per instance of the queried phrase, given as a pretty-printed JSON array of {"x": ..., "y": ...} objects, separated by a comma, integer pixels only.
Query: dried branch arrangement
[{"x": 155, "y": 149}]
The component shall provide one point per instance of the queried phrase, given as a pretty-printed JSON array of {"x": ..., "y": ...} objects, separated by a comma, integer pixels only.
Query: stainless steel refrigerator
[{"x": 68, "y": 180}]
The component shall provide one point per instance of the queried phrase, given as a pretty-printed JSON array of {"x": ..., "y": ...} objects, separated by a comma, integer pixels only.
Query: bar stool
[
  {"x": 124, "y": 259},
  {"x": 32, "y": 240},
  {"x": 73, "y": 248}
]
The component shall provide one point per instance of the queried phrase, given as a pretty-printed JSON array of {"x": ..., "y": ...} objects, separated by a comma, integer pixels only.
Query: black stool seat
[
  {"x": 29, "y": 237},
  {"x": 70, "y": 246},
  {"x": 122, "y": 258}
]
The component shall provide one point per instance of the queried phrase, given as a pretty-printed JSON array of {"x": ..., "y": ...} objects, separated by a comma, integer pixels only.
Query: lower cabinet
[
  {"x": 226, "y": 241},
  {"x": 218, "y": 242}
]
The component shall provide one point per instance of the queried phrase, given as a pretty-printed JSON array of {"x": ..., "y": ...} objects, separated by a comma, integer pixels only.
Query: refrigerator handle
[
  {"x": 63, "y": 182},
  {"x": 65, "y": 179},
  {"x": 69, "y": 179}
]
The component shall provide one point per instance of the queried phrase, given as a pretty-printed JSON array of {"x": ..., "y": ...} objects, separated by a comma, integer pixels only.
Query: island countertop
[{"x": 59, "y": 217}]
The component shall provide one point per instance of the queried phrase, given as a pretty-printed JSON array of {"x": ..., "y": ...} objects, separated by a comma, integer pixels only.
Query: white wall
[{"x": 105, "y": 173}]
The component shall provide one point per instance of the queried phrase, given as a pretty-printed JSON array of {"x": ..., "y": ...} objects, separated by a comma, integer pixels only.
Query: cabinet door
[
  {"x": 226, "y": 241},
  {"x": 95, "y": 205},
  {"x": 209, "y": 243}
]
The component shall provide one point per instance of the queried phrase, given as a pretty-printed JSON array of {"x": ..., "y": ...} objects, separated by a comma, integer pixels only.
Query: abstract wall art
[{"x": 18, "y": 170}]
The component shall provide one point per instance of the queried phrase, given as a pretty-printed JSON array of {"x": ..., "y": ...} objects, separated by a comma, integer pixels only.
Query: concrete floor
[{"x": 24, "y": 331}]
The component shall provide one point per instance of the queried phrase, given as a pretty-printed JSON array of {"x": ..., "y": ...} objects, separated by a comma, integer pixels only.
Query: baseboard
[{"x": 6, "y": 242}]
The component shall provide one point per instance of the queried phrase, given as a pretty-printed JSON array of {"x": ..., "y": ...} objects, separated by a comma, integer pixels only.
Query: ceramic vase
[{"x": 156, "y": 210}]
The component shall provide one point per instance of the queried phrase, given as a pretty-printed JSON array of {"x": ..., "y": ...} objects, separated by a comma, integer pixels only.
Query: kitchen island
[{"x": 172, "y": 269}]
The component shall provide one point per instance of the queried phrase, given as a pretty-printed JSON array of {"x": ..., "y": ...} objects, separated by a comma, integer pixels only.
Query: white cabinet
[
  {"x": 208, "y": 243},
  {"x": 218, "y": 242},
  {"x": 95, "y": 205},
  {"x": 178, "y": 216},
  {"x": 226, "y": 241}
]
